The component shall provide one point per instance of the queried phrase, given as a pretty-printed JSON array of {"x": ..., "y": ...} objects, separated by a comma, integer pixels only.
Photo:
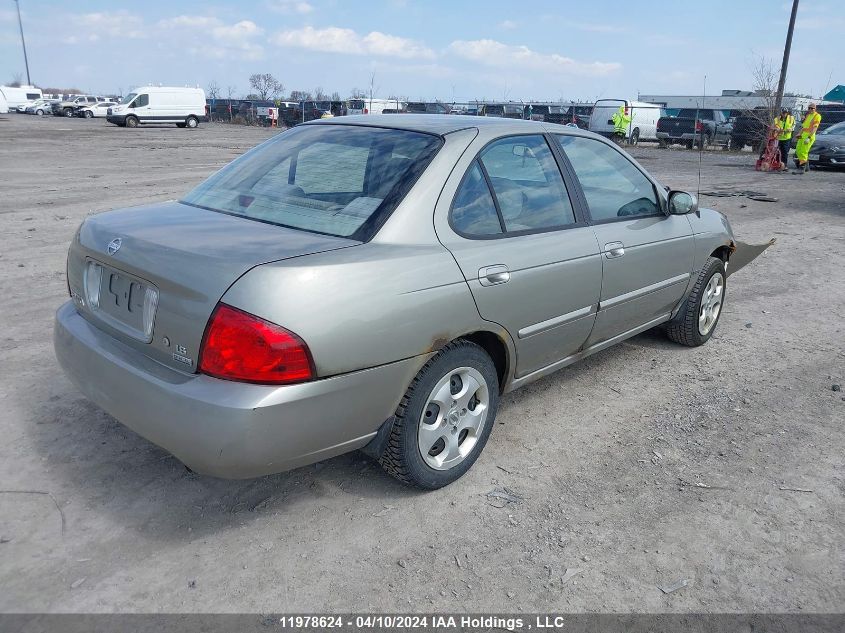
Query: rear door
[
  {"x": 530, "y": 259},
  {"x": 647, "y": 255}
]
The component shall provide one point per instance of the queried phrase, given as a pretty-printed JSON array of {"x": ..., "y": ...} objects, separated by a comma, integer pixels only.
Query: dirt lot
[{"x": 647, "y": 464}]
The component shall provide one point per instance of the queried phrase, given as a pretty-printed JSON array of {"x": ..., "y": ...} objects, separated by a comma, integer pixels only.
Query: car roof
[{"x": 439, "y": 123}]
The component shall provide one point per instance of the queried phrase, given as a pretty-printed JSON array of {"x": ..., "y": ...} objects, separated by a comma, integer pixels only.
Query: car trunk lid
[{"x": 182, "y": 259}]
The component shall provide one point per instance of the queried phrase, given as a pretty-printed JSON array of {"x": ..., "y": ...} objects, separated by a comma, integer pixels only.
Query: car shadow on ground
[{"x": 97, "y": 464}]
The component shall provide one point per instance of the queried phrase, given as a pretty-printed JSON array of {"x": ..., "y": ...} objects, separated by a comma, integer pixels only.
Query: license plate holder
[
  {"x": 121, "y": 302},
  {"x": 814, "y": 156}
]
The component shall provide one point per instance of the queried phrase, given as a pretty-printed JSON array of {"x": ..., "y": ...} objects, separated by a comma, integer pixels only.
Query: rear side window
[
  {"x": 339, "y": 180},
  {"x": 527, "y": 183},
  {"x": 473, "y": 211},
  {"x": 613, "y": 186}
]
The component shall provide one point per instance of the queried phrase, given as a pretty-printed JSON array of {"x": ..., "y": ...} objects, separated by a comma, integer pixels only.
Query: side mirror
[{"x": 682, "y": 203}]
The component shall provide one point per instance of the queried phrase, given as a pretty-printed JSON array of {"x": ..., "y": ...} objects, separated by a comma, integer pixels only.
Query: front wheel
[
  {"x": 68, "y": 112},
  {"x": 89, "y": 114},
  {"x": 697, "y": 320},
  {"x": 39, "y": 112},
  {"x": 444, "y": 419},
  {"x": 131, "y": 121}
]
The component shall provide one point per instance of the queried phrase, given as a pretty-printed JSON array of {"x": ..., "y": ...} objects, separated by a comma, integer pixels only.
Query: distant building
[
  {"x": 837, "y": 94},
  {"x": 728, "y": 100}
]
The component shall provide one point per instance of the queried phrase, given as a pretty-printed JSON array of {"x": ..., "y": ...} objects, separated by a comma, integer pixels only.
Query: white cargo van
[
  {"x": 24, "y": 95},
  {"x": 160, "y": 104},
  {"x": 643, "y": 125},
  {"x": 374, "y": 106}
]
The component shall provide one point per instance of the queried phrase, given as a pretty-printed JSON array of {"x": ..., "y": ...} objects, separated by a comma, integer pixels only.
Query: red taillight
[
  {"x": 698, "y": 126},
  {"x": 240, "y": 346},
  {"x": 366, "y": 111}
]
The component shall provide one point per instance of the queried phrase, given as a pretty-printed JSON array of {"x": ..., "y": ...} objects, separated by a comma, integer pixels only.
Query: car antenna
[{"x": 703, "y": 135}]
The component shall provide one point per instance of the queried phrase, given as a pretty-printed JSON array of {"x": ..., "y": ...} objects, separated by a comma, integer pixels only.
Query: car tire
[
  {"x": 688, "y": 144},
  {"x": 192, "y": 122},
  {"x": 736, "y": 144},
  {"x": 39, "y": 112},
  {"x": 462, "y": 375},
  {"x": 131, "y": 121},
  {"x": 699, "y": 316},
  {"x": 67, "y": 112},
  {"x": 703, "y": 142},
  {"x": 88, "y": 114},
  {"x": 662, "y": 144},
  {"x": 635, "y": 137}
]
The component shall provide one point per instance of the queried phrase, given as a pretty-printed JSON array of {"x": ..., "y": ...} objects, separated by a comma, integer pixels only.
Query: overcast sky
[{"x": 437, "y": 49}]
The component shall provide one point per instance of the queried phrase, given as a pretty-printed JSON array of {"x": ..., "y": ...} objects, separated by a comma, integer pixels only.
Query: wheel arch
[{"x": 497, "y": 349}]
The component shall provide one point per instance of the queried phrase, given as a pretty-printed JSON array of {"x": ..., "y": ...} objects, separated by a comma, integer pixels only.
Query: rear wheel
[
  {"x": 131, "y": 121},
  {"x": 39, "y": 112},
  {"x": 444, "y": 419},
  {"x": 688, "y": 144},
  {"x": 635, "y": 136},
  {"x": 697, "y": 320},
  {"x": 68, "y": 112},
  {"x": 192, "y": 122}
]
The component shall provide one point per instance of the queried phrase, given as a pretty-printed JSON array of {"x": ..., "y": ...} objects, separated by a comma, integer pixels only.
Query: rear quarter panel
[{"x": 364, "y": 306}]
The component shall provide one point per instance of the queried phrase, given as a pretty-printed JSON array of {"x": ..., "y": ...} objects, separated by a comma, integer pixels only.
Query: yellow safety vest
[
  {"x": 812, "y": 120},
  {"x": 785, "y": 126},
  {"x": 620, "y": 120}
]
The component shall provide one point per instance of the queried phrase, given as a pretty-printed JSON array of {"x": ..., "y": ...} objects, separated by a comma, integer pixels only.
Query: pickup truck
[
  {"x": 695, "y": 126},
  {"x": 750, "y": 128}
]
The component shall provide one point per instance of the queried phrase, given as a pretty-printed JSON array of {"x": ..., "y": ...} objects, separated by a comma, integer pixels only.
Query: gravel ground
[{"x": 645, "y": 465}]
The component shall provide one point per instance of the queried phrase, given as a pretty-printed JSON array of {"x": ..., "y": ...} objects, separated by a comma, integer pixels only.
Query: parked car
[
  {"x": 97, "y": 110},
  {"x": 70, "y": 106},
  {"x": 160, "y": 104},
  {"x": 373, "y": 106},
  {"x": 420, "y": 107},
  {"x": 643, "y": 125},
  {"x": 695, "y": 126},
  {"x": 347, "y": 286},
  {"x": 829, "y": 147},
  {"x": 41, "y": 107},
  {"x": 503, "y": 110},
  {"x": 750, "y": 127}
]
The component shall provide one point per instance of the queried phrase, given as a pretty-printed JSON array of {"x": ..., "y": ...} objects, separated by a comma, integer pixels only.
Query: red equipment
[{"x": 770, "y": 158}]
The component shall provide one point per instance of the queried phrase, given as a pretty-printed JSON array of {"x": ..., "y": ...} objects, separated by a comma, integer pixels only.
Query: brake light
[
  {"x": 243, "y": 347},
  {"x": 698, "y": 126},
  {"x": 366, "y": 111}
]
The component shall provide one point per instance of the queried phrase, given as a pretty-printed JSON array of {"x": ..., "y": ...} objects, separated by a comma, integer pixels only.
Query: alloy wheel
[
  {"x": 453, "y": 418},
  {"x": 711, "y": 304}
]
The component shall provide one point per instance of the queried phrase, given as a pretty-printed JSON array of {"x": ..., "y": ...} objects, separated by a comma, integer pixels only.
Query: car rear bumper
[
  {"x": 685, "y": 136},
  {"x": 223, "y": 428}
]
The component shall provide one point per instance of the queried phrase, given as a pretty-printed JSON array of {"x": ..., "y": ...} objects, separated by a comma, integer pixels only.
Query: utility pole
[
  {"x": 23, "y": 42},
  {"x": 785, "y": 63}
]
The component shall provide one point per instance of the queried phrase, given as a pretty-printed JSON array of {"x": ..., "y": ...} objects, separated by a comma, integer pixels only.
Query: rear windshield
[
  {"x": 693, "y": 113},
  {"x": 333, "y": 179},
  {"x": 356, "y": 104}
]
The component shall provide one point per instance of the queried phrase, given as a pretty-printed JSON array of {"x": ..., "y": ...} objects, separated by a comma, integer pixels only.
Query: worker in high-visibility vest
[
  {"x": 621, "y": 119},
  {"x": 808, "y": 136},
  {"x": 784, "y": 125}
]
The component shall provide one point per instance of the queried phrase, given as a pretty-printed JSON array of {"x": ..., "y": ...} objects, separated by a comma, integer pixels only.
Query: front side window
[
  {"x": 613, "y": 186},
  {"x": 527, "y": 184},
  {"x": 339, "y": 180},
  {"x": 142, "y": 101}
]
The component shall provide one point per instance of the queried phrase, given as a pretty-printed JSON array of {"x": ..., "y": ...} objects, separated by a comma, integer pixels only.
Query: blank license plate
[
  {"x": 814, "y": 156},
  {"x": 123, "y": 298}
]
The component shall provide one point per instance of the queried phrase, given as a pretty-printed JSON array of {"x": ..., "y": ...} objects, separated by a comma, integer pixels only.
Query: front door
[
  {"x": 647, "y": 255},
  {"x": 532, "y": 263}
]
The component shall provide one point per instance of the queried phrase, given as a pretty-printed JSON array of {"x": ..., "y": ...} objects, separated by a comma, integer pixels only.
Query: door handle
[
  {"x": 493, "y": 275},
  {"x": 614, "y": 249}
]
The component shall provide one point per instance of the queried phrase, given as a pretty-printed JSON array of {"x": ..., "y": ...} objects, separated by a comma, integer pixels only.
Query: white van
[
  {"x": 374, "y": 106},
  {"x": 644, "y": 116},
  {"x": 160, "y": 104},
  {"x": 4, "y": 107},
  {"x": 25, "y": 95}
]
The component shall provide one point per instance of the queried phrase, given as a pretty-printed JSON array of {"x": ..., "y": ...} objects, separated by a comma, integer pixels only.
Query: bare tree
[
  {"x": 16, "y": 80},
  {"x": 319, "y": 95},
  {"x": 335, "y": 96},
  {"x": 230, "y": 93},
  {"x": 300, "y": 95},
  {"x": 266, "y": 86},
  {"x": 765, "y": 84},
  {"x": 213, "y": 90}
]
